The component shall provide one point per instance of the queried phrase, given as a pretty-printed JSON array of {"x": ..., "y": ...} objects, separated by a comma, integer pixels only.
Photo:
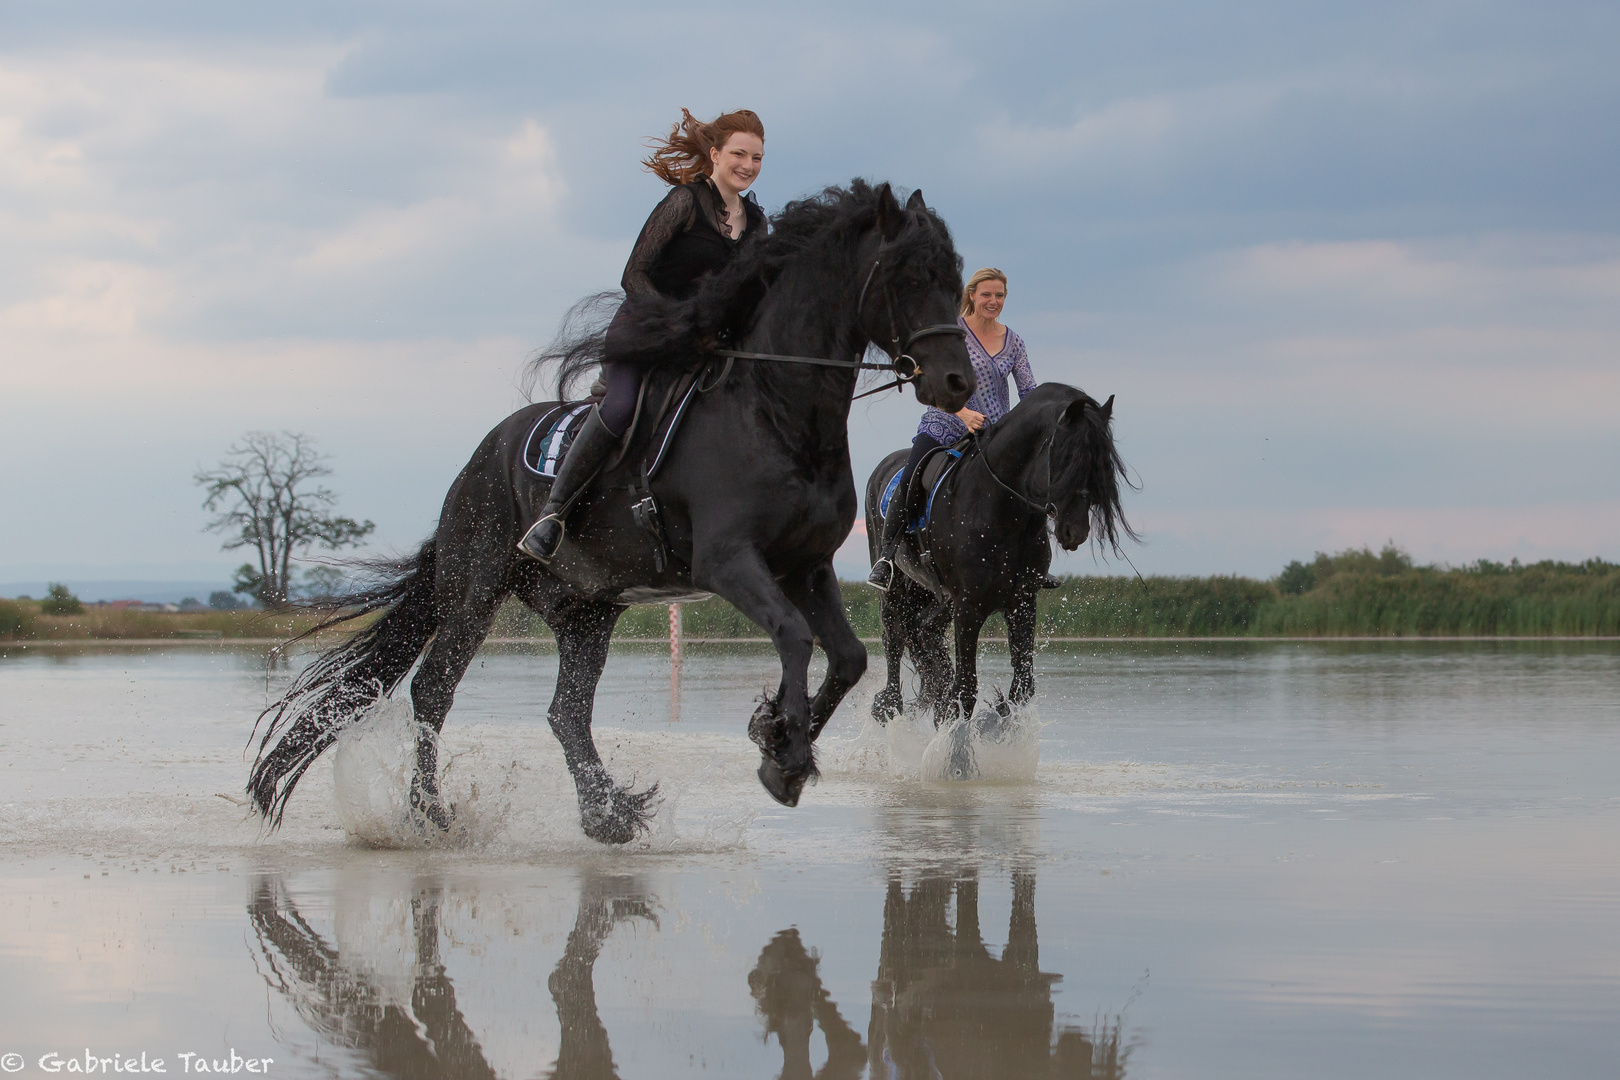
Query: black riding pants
[
  {"x": 618, "y": 408},
  {"x": 623, "y": 379}
]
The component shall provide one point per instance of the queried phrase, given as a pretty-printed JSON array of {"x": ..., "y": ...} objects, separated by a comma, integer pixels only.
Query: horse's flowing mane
[
  {"x": 1106, "y": 471},
  {"x": 816, "y": 236}
]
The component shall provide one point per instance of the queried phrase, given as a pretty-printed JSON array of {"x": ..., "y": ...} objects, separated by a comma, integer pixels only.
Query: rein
[
  {"x": 903, "y": 374},
  {"x": 1046, "y": 510}
]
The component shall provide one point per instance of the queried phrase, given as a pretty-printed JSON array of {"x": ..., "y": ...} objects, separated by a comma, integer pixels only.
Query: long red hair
[{"x": 683, "y": 155}]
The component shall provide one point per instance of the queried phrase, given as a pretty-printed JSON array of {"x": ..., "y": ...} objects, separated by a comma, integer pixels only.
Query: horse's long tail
[{"x": 336, "y": 689}]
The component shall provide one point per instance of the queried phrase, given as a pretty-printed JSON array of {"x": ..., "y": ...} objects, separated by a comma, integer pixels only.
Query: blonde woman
[
  {"x": 997, "y": 352},
  {"x": 697, "y": 228}
]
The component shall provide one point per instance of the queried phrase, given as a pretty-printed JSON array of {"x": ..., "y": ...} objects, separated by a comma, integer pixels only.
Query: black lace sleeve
[
  {"x": 668, "y": 219},
  {"x": 758, "y": 225}
]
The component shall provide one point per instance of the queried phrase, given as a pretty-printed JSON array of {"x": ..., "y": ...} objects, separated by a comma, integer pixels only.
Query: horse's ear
[
  {"x": 890, "y": 219},
  {"x": 1108, "y": 408},
  {"x": 1076, "y": 409},
  {"x": 916, "y": 201}
]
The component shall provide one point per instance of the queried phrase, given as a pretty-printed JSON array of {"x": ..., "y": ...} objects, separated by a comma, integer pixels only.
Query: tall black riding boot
[
  {"x": 583, "y": 461},
  {"x": 882, "y": 575}
]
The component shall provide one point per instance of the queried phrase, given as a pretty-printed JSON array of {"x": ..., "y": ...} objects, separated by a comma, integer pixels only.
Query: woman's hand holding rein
[{"x": 973, "y": 420}]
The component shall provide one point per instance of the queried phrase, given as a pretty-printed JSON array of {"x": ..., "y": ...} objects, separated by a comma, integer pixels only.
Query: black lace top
[{"x": 684, "y": 238}]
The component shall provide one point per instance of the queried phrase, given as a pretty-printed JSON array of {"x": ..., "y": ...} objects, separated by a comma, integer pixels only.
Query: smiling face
[
  {"x": 735, "y": 165},
  {"x": 988, "y": 298}
]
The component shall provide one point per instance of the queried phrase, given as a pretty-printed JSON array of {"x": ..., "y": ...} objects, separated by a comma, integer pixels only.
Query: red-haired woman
[{"x": 696, "y": 230}]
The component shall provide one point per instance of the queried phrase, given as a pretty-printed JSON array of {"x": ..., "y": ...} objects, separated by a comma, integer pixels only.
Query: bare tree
[{"x": 266, "y": 495}]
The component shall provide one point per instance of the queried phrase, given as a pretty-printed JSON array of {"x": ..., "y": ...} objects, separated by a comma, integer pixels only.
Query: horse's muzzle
[{"x": 1071, "y": 536}]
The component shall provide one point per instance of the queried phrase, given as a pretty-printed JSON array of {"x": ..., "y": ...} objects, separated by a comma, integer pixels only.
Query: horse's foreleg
[
  {"x": 781, "y": 725},
  {"x": 607, "y": 813},
  {"x": 896, "y": 619},
  {"x": 1021, "y": 643},
  {"x": 433, "y": 691},
  {"x": 931, "y": 656},
  {"x": 968, "y": 625},
  {"x": 822, "y": 606}
]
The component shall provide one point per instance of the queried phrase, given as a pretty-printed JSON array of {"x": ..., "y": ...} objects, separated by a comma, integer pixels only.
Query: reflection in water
[
  {"x": 603, "y": 902},
  {"x": 792, "y": 1000},
  {"x": 430, "y": 1038},
  {"x": 943, "y": 1008}
]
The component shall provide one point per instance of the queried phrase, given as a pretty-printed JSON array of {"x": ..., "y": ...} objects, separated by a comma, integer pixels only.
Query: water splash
[
  {"x": 372, "y": 765},
  {"x": 991, "y": 747},
  {"x": 512, "y": 794}
]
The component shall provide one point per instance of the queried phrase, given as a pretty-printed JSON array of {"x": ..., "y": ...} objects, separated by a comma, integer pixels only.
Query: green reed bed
[
  {"x": 1545, "y": 599},
  {"x": 1356, "y": 593},
  {"x": 1153, "y": 607},
  {"x": 1352, "y": 594}
]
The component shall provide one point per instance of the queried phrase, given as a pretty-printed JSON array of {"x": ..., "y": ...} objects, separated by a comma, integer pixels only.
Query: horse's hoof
[
  {"x": 782, "y": 786},
  {"x": 620, "y": 818},
  {"x": 428, "y": 810},
  {"x": 608, "y": 829},
  {"x": 886, "y": 706}
]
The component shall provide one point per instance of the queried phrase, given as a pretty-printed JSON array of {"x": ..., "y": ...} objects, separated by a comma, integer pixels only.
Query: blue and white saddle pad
[
  {"x": 928, "y": 510},
  {"x": 550, "y": 438}
]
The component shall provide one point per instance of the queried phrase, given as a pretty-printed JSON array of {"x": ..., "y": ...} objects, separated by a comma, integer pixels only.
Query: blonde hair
[
  {"x": 683, "y": 155},
  {"x": 980, "y": 276}
]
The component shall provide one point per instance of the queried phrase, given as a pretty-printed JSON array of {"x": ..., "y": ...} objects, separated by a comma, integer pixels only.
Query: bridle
[
  {"x": 905, "y": 366},
  {"x": 1049, "y": 508}
]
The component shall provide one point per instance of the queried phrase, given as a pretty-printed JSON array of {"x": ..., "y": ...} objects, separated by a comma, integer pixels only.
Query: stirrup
[
  {"x": 531, "y": 544},
  {"x": 1050, "y": 582},
  {"x": 888, "y": 579}
]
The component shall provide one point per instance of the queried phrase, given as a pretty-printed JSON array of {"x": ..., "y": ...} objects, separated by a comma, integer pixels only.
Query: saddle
[
  {"x": 548, "y": 442},
  {"x": 930, "y": 475}
]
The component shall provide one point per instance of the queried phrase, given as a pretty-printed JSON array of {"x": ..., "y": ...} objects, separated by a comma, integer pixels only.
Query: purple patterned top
[{"x": 991, "y": 397}]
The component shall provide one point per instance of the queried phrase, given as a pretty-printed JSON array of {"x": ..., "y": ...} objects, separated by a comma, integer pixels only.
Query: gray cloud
[{"x": 1345, "y": 261}]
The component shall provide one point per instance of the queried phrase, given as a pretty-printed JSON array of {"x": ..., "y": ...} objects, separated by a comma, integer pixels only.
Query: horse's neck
[
  {"x": 816, "y": 399},
  {"x": 1022, "y": 446},
  {"x": 799, "y": 320}
]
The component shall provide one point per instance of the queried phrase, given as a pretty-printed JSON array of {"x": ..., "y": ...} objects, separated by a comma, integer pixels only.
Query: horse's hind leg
[
  {"x": 607, "y": 813},
  {"x": 433, "y": 690},
  {"x": 823, "y": 608}
]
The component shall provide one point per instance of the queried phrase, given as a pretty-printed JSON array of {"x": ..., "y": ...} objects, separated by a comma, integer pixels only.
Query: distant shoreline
[
  {"x": 7, "y": 645},
  {"x": 1324, "y": 601}
]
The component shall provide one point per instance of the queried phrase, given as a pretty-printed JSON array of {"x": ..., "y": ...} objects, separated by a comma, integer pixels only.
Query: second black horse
[{"x": 984, "y": 547}]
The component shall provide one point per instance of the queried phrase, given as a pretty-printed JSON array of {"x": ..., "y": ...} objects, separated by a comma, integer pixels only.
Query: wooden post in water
[{"x": 676, "y": 632}]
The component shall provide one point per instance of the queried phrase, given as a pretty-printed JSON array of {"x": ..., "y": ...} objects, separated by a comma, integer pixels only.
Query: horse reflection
[
  {"x": 430, "y": 1038},
  {"x": 584, "y": 1053},
  {"x": 792, "y": 1001},
  {"x": 943, "y": 1008}
]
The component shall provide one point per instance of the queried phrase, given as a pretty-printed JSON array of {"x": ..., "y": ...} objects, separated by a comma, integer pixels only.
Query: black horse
[
  {"x": 753, "y": 499},
  {"x": 984, "y": 548}
]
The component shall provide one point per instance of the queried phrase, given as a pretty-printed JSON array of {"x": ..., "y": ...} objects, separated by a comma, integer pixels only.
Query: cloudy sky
[{"x": 1353, "y": 270}]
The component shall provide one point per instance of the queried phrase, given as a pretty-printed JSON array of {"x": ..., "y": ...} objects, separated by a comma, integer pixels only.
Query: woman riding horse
[
  {"x": 996, "y": 352},
  {"x": 697, "y": 229}
]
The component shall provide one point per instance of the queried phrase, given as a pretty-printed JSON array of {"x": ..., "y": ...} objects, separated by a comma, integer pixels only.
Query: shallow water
[{"x": 1232, "y": 859}]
